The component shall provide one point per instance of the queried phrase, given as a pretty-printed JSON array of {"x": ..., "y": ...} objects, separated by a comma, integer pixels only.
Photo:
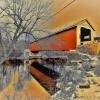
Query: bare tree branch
[{"x": 22, "y": 17}]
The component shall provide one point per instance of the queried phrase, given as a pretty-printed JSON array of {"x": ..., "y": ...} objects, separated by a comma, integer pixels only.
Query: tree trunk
[{"x": 11, "y": 48}]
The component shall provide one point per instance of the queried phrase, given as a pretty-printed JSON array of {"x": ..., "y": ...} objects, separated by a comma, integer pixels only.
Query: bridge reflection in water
[{"x": 42, "y": 71}]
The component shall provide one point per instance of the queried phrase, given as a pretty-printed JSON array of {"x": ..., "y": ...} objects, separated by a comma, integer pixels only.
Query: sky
[{"x": 80, "y": 9}]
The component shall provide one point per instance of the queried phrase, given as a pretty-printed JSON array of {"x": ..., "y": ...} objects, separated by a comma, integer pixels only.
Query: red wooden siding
[{"x": 65, "y": 40}]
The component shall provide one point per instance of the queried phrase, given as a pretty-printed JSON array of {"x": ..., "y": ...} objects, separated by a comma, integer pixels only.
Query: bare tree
[{"x": 22, "y": 17}]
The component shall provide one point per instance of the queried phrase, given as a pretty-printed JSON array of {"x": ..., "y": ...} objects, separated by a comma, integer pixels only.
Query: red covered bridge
[{"x": 66, "y": 39}]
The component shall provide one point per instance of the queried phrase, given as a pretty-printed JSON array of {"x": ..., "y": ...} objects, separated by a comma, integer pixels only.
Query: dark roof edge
[
  {"x": 88, "y": 23},
  {"x": 55, "y": 33},
  {"x": 75, "y": 24},
  {"x": 66, "y": 29}
]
